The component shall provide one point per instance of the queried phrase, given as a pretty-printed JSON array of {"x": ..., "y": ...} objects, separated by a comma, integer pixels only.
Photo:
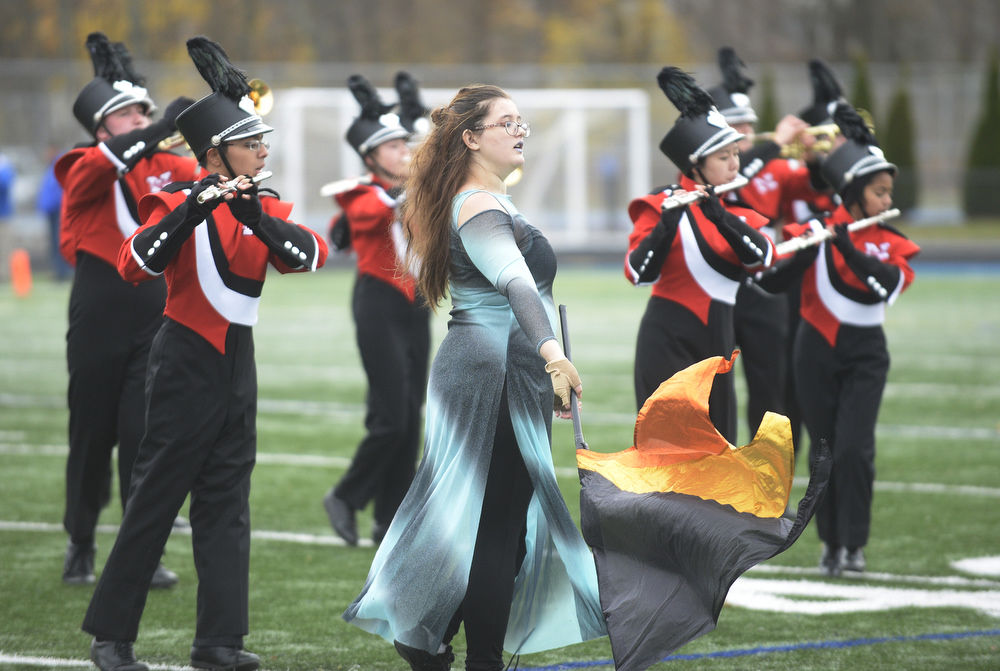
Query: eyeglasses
[
  {"x": 252, "y": 145},
  {"x": 510, "y": 126}
]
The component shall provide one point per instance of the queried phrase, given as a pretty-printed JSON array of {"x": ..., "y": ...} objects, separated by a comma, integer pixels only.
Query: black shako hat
[
  {"x": 377, "y": 123},
  {"x": 860, "y": 155},
  {"x": 700, "y": 130},
  {"x": 731, "y": 95},
  {"x": 228, "y": 112},
  {"x": 826, "y": 94},
  {"x": 115, "y": 84}
]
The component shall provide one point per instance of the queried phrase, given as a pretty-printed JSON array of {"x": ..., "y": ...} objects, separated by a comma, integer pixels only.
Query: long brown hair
[{"x": 437, "y": 170}]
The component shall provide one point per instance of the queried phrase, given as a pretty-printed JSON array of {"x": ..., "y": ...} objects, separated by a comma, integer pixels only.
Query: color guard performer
[
  {"x": 392, "y": 320},
  {"x": 841, "y": 361},
  {"x": 694, "y": 256},
  {"x": 111, "y": 321},
  {"x": 213, "y": 241}
]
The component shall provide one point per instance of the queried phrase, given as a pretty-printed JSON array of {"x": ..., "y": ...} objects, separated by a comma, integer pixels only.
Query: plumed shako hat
[
  {"x": 826, "y": 94},
  {"x": 860, "y": 155},
  {"x": 731, "y": 95},
  {"x": 115, "y": 84},
  {"x": 376, "y": 123},
  {"x": 700, "y": 130},
  {"x": 228, "y": 112}
]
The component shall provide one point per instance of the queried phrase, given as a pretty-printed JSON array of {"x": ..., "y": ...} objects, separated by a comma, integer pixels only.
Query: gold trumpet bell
[{"x": 261, "y": 95}]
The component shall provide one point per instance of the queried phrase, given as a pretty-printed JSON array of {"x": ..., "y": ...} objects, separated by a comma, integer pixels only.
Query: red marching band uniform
[
  {"x": 99, "y": 204},
  {"x": 832, "y": 294},
  {"x": 700, "y": 266},
  {"x": 201, "y": 294},
  {"x": 371, "y": 211}
]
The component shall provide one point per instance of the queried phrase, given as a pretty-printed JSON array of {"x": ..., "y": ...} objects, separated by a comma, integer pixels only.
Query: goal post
[{"x": 587, "y": 157}]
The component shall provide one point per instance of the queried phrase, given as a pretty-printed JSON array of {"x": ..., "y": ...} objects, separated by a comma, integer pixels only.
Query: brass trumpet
[
  {"x": 263, "y": 102},
  {"x": 261, "y": 95},
  {"x": 825, "y": 135},
  {"x": 168, "y": 143}
]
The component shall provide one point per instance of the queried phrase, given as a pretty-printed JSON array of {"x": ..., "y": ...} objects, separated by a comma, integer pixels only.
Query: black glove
[
  {"x": 714, "y": 211},
  {"x": 198, "y": 188},
  {"x": 842, "y": 240},
  {"x": 749, "y": 244},
  {"x": 245, "y": 206},
  {"x": 340, "y": 233},
  {"x": 174, "y": 108},
  {"x": 783, "y": 275}
]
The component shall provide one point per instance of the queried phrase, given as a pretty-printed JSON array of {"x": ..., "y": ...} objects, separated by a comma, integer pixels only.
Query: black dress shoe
[
  {"x": 115, "y": 656},
  {"x": 163, "y": 578},
  {"x": 830, "y": 560},
  {"x": 223, "y": 657},
  {"x": 421, "y": 660},
  {"x": 853, "y": 560},
  {"x": 341, "y": 518},
  {"x": 78, "y": 567}
]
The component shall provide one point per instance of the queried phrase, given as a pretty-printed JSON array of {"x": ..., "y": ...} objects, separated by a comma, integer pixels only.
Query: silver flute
[{"x": 213, "y": 192}]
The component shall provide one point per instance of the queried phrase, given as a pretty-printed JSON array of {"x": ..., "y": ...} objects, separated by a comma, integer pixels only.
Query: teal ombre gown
[{"x": 420, "y": 573}]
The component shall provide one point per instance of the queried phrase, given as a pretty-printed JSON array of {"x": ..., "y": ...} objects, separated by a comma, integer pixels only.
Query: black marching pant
[
  {"x": 791, "y": 405},
  {"x": 111, "y": 325},
  {"x": 761, "y": 322},
  {"x": 201, "y": 439},
  {"x": 498, "y": 554},
  {"x": 840, "y": 390},
  {"x": 671, "y": 338},
  {"x": 393, "y": 337}
]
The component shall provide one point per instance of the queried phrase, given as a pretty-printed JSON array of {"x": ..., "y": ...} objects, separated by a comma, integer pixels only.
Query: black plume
[
  {"x": 852, "y": 125},
  {"x": 125, "y": 59},
  {"x": 102, "y": 55},
  {"x": 214, "y": 66},
  {"x": 410, "y": 106},
  {"x": 825, "y": 86},
  {"x": 682, "y": 90},
  {"x": 733, "y": 78},
  {"x": 367, "y": 96}
]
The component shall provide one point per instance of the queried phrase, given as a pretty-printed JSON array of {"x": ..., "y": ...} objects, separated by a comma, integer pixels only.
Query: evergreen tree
[
  {"x": 982, "y": 177},
  {"x": 861, "y": 94},
  {"x": 768, "y": 110},
  {"x": 898, "y": 144}
]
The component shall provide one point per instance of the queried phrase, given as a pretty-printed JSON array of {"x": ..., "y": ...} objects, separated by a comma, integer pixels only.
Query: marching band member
[
  {"x": 212, "y": 240},
  {"x": 762, "y": 320},
  {"x": 840, "y": 356},
  {"x": 111, "y": 321},
  {"x": 392, "y": 320},
  {"x": 696, "y": 256}
]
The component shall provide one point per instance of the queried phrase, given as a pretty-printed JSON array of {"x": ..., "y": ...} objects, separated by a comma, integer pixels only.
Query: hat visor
[
  {"x": 723, "y": 138},
  {"x": 126, "y": 100},
  {"x": 740, "y": 116},
  {"x": 257, "y": 127}
]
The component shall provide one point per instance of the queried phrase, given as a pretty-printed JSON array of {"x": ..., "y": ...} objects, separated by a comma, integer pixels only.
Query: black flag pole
[{"x": 574, "y": 406}]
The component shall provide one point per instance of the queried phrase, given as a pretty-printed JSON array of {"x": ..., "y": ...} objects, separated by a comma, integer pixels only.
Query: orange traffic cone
[{"x": 20, "y": 272}]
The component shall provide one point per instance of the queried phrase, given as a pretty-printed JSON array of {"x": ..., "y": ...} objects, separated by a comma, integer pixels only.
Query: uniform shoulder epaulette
[
  {"x": 174, "y": 187},
  {"x": 893, "y": 229},
  {"x": 666, "y": 187},
  {"x": 269, "y": 192}
]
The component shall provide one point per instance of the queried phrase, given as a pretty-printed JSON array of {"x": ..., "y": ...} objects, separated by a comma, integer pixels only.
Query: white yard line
[{"x": 315, "y": 460}]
